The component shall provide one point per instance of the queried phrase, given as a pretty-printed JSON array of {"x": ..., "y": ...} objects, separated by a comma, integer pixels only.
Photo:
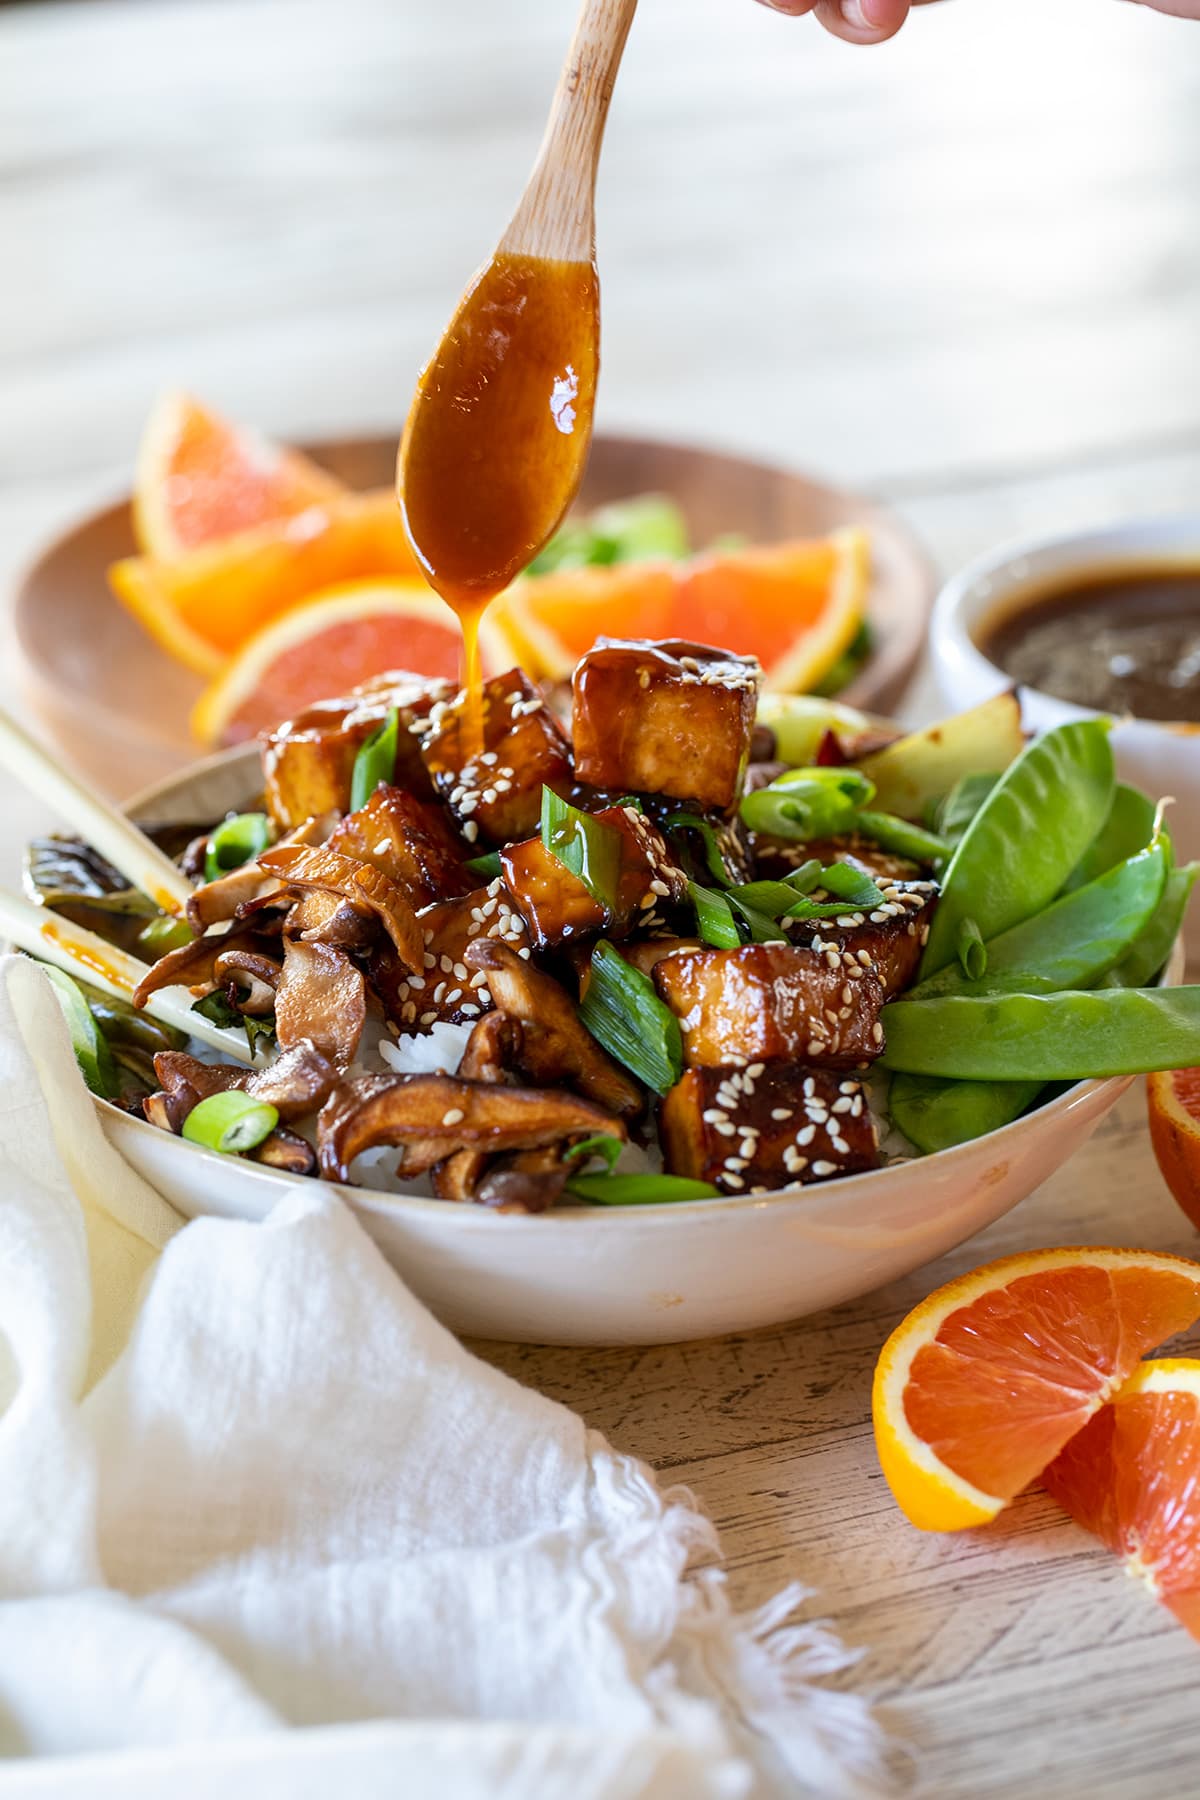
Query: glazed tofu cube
[
  {"x": 773, "y": 1003},
  {"x": 665, "y": 718},
  {"x": 446, "y": 989},
  {"x": 557, "y": 907},
  {"x": 888, "y": 940},
  {"x": 308, "y": 764},
  {"x": 496, "y": 797},
  {"x": 411, "y": 841},
  {"x": 767, "y": 1126}
]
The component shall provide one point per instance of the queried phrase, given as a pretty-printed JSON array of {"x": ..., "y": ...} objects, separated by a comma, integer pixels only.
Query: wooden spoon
[{"x": 498, "y": 434}]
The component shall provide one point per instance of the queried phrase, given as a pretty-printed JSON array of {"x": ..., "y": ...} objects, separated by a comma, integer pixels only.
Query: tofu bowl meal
[{"x": 644, "y": 1009}]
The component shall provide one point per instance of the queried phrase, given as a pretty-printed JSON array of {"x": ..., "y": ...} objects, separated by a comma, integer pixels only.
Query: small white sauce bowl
[{"x": 1164, "y": 759}]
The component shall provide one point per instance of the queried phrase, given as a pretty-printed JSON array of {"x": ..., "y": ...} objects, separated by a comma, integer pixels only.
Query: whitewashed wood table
[{"x": 963, "y": 271}]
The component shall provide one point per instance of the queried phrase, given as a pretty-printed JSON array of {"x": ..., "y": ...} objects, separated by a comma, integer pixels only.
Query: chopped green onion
[
  {"x": 972, "y": 951},
  {"x": 770, "y": 898},
  {"x": 488, "y": 867},
  {"x": 639, "y": 1190},
  {"x": 230, "y": 1122},
  {"x": 604, "y": 1146},
  {"x": 235, "y": 842},
  {"x": 678, "y": 824},
  {"x": 845, "y": 882},
  {"x": 92, "y": 1053},
  {"x": 624, "y": 1013},
  {"x": 634, "y": 802},
  {"x": 589, "y": 850},
  {"x": 376, "y": 761},
  {"x": 808, "y": 803},
  {"x": 807, "y": 876},
  {"x": 165, "y": 934},
  {"x": 714, "y": 918},
  {"x": 218, "y": 1008},
  {"x": 903, "y": 838}
]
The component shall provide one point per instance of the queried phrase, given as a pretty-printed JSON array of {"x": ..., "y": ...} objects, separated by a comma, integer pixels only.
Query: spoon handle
[{"x": 555, "y": 217}]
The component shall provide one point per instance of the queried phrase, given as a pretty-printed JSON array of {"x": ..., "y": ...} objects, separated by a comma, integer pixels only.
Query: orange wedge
[
  {"x": 328, "y": 645},
  {"x": 1132, "y": 1477},
  {"x": 199, "y": 478},
  {"x": 203, "y": 608},
  {"x": 796, "y": 606},
  {"x": 982, "y": 1385},
  {"x": 1173, "y": 1099}
]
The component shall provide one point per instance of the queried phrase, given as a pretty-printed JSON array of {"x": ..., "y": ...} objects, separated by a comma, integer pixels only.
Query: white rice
[{"x": 440, "y": 1049}]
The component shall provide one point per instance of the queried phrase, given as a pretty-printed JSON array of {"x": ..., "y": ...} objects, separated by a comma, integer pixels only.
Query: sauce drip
[
  {"x": 497, "y": 436},
  {"x": 1121, "y": 641}
]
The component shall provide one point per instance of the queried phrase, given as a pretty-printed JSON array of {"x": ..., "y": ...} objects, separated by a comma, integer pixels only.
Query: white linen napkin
[{"x": 248, "y": 1483}]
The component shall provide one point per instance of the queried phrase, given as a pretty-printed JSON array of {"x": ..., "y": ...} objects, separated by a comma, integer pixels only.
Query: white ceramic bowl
[
  {"x": 1163, "y": 759},
  {"x": 636, "y": 1275}
]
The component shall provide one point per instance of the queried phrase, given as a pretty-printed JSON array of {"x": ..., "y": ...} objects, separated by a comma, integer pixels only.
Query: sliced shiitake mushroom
[
  {"x": 301, "y": 868},
  {"x": 227, "y": 897},
  {"x": 555, "y": 1045},
  {"x": 193, "y": 965},
  {"x": 297, "y": 1082},
  {"x": 322, "y": 998},
  {"x": 443, "y": 1114}
]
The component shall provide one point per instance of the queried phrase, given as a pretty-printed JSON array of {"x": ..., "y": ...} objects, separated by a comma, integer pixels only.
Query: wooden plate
[{"x": 118, "y": 706}]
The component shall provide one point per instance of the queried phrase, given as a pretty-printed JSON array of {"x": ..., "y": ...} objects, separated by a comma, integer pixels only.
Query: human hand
[
  {"x": 869, "y": 21},
  {"x": 873, "y": 21}
]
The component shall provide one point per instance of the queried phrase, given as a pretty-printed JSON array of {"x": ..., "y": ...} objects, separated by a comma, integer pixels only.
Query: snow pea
[
  {"x": 935, "y": 1114},
  {"x": 1045, "y": 1037},
  {"x": 1071, "y": 943},
  {"x": 1148, "y": 955},
  {"x": 960, "y": 805},
  {"x": 1027, "y": 836},
  {"x": 1127, "y": 829}
]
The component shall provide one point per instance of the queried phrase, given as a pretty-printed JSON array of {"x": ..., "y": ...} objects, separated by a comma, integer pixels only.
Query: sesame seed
[
  {"x": 713, "y": 1116},
  {"x": 824, "y": 1168},
  {"x": 877, "y": 1032},
  {"x": 806, "y": 1134},
  {"x": 815, "y": 1047},
  {"x": 733, "y": 1181},
  {"x": 455, "y": 1116},
  {"x": 470, "y": 831},
  {"x": 427, "y": 1018},
  {"x": 781, "y": 1112}
]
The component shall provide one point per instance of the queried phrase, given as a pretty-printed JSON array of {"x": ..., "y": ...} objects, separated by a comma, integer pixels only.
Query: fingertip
[{"x": 863, "y": 21}]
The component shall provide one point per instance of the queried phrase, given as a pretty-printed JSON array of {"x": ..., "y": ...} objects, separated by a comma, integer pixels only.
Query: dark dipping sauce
[{"x": 1126, "y": 642}]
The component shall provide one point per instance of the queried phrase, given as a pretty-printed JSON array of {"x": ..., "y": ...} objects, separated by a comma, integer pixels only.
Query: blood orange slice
[
  {"x": 1132, "y": 1477},
  {"x": 1173, "y": 1098},
  {"x": 327, "y": 646},
  {"x": 982, "y": 1385},
  {"x": 199, "y": 478},
  {"x": 205, "y": 606},
  {"x": 797, "y": 606}
]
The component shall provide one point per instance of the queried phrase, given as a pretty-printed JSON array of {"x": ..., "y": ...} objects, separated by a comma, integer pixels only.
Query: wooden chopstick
[{"x": 89, "y": 958}]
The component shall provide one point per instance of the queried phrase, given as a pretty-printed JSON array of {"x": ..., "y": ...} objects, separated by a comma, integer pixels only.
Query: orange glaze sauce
[
  {"x": 87, "y": 957},
  {"x": 497, "y": 436}
]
